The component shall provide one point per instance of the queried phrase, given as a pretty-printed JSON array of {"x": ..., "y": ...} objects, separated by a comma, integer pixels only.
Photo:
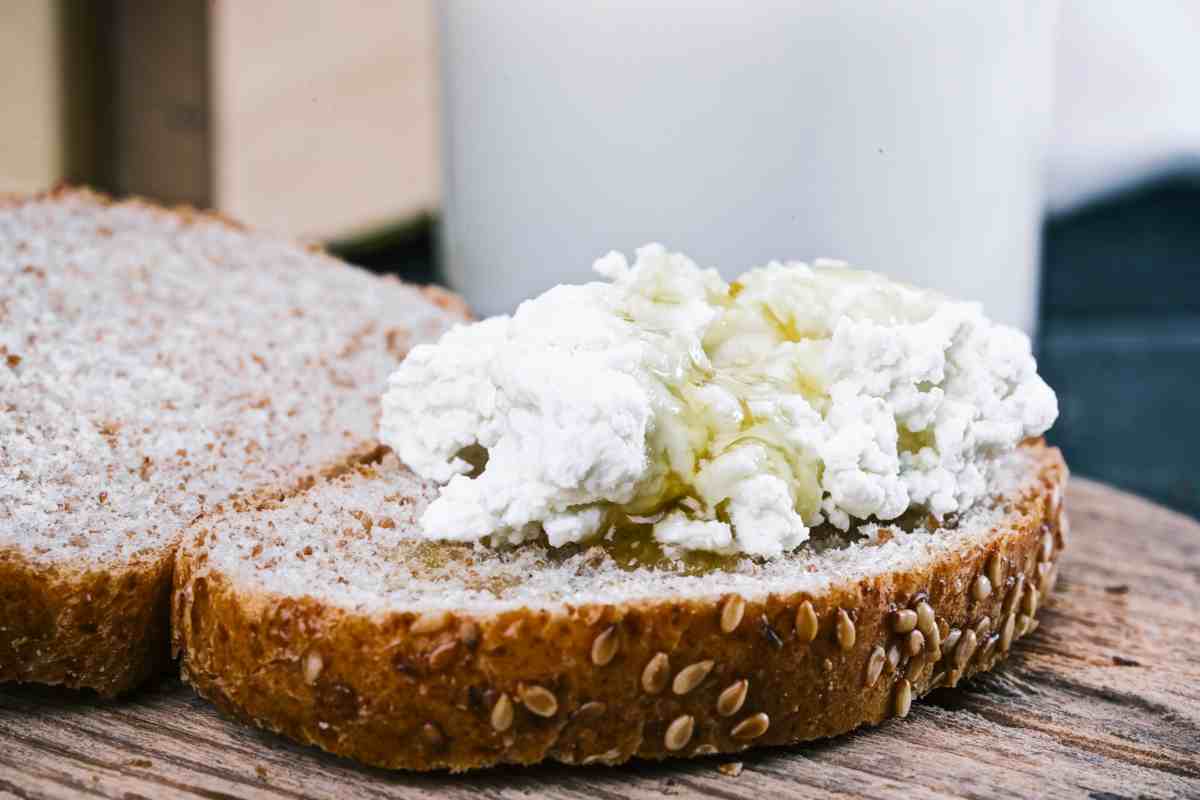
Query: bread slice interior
[{"x": 153, "y": 364}]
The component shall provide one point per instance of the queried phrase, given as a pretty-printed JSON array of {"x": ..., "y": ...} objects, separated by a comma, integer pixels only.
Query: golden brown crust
[
  {"x": 99, "y": 628},
  {"x": 601, "y": 684}
]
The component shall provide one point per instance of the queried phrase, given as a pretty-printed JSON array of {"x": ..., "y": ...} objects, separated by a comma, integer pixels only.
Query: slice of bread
[
  {"x": 324, "y": 617},
  {"x": 154, "y": 363}
]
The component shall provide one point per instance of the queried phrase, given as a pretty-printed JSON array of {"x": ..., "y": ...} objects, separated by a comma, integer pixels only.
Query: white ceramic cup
[{"x": 904, "y": 137}]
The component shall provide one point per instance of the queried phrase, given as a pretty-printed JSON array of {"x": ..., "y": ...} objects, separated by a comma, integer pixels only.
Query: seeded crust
[
  {"x": 602, "y": 683},
  {"x": 81, "y": 605}
]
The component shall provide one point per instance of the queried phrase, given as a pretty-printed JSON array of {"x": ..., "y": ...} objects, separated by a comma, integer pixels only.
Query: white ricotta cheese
[{"x": 732, "y": 416}]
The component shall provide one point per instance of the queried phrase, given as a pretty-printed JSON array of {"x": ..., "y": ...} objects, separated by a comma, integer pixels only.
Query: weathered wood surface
[{"x": 1103, "y": 700}]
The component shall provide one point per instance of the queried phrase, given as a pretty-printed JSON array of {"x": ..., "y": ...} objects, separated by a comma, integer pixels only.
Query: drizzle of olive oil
[
  {"x": 909, "y": 442},
  {"x": 787, "y": 329},
  {"x": 631, "y": 545}
]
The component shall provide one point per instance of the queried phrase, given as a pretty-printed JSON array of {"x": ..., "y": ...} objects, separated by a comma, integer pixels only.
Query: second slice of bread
[
  {"x": 154, "y": 363},
  {"x": 325, "y": 617}
]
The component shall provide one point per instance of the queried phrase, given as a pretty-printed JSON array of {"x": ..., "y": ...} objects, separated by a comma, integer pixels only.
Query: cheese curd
[{"x": 731, "y": 417}]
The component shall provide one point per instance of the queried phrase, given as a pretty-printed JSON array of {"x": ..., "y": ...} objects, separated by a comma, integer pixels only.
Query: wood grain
[{"x": 1102, "y": 701}]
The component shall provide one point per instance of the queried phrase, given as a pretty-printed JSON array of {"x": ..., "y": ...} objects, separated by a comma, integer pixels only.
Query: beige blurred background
[
  {"x": 315, "y": 119},
  {"x": 33, "y": 151}
]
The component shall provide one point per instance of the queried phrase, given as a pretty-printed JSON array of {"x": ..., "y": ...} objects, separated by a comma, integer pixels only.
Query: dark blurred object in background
[
  {"x": 1120, "y": 338},
  {"x": 405, "y": 249}
]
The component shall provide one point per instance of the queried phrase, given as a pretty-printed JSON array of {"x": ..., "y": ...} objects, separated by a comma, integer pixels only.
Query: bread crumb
[
  {"x": 166, "y": 401},
  {"x": 883, "y": 536},
  {"x": 447, "y": 301},
  {"x": 731, "y": 769}
]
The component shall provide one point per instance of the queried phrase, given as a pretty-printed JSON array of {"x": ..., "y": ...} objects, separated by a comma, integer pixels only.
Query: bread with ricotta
[
  {"x": 329, "y": 617},
  {"x": 728, "y": 417}
]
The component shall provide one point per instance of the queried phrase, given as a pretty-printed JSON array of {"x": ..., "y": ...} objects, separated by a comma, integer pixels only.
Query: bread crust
[
  {"x": 73, "y": 625},
  {"x": 606, "y": 683}
]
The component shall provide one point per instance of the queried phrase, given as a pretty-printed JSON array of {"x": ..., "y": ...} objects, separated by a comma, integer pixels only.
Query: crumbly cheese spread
[{"x": 730, "y": 417}]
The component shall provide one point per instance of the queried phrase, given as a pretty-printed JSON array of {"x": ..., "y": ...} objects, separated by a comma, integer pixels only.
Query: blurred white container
[
  {"x": 904, "y": 137},
  {"x": 1128, "y": 109}
]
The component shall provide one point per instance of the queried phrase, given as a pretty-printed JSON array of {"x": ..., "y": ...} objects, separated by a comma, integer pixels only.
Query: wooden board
[{"x": 1102, "y": 701}]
